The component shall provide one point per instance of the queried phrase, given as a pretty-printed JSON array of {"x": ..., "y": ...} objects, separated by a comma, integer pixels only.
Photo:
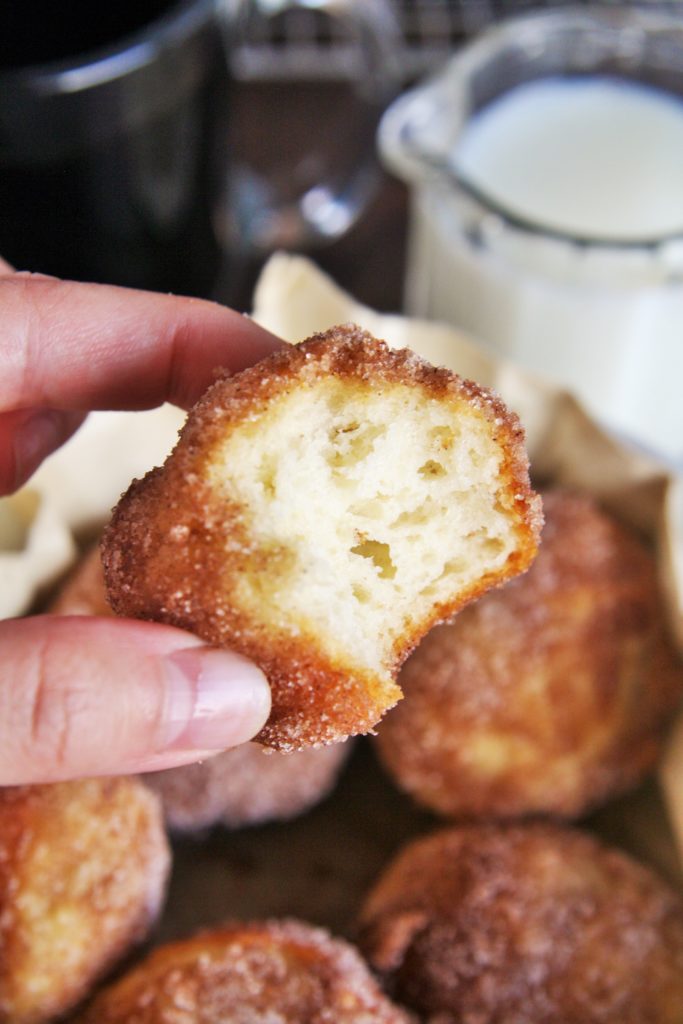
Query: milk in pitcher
[{"x": 562, "y": 246}]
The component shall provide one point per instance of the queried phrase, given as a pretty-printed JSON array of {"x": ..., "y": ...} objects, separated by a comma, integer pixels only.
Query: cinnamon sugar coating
[
  {"x": 535, "y": 924},
  {"x": 273, "y": 972},
  {"x": 321, "y": 511},
  {"x": 550, "y": 695},
  {"x": 83, "y": 869}
]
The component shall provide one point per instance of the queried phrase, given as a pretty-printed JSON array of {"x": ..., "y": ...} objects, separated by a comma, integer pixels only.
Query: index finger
[{"x": 71, "y": 346}]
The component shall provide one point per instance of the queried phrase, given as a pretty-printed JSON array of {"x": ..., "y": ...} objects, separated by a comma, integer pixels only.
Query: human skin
[{"x": 109, "y": 696}]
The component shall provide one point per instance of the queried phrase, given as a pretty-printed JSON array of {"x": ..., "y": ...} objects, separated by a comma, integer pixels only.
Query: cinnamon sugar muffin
[
  {"x": 273, "y": 972},
  {"x": 247, "y": 786},
  {"x": 321, "y": 511},
  {"x": 549, "y": 695},
  {"x": 83, "y": 869},
  {"x": 535, "y": 924}
]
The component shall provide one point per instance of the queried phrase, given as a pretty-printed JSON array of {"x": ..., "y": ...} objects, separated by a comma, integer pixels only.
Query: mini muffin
[
  {"x": 272, "y": 972},
  {"x": 83, "y": 869},
  {"x": 549, "y": 695},
  {"x": 515, "y": 924},
  {"x": 83, "y": 592},
  {"x": 242, "y": 786},
  {"x": 247, "y": 786},
  {"x": 321, "y": 511}
]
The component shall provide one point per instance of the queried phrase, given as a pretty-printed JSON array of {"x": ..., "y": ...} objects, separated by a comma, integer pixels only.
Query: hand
[{"x": 89, "y": 696}]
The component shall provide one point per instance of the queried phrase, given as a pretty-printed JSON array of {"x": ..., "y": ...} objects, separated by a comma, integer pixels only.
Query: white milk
[{"x": 598, "y": 159}]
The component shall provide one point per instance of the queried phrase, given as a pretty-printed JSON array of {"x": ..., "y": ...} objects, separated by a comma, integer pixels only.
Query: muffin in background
[
  {"x": 263, "y": 972},
  {"x": 548, "y": 696},
  {"x": 525, "y": 924},
  {"x": 247, "y": 785},
  {"x": 83, "y": 871}
]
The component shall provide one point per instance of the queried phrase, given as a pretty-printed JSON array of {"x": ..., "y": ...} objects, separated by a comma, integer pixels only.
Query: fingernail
[
  {"x": 215, "y": 699},
  {"x": 35, "y": 275}
]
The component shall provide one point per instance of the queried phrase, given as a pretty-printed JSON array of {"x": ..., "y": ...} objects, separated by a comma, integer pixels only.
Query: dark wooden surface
[
  {"x": 317, "y": 867},
  {"x": 320, "y": 866}
]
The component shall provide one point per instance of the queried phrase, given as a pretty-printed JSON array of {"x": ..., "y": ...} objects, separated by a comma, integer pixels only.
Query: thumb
[{"x": 86, "y": 696}]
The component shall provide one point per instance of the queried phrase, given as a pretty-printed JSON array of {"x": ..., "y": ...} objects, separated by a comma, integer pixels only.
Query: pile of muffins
[{"x": 541, "y": 701}]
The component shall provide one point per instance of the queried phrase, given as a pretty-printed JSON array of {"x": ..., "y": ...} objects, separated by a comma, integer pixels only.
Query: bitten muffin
[
  {"x": 83, "y": 870},
  {"x": 535, "y": 924},
  {"x": 272, "y": 972},
  {"x": 242, "y": 786},
  {"x": 550, "y": 695},
  {"x": 321, "y": 511}
]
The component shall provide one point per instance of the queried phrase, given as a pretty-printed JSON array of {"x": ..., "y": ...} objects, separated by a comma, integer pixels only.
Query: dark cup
[{"x": 115, "y": 147}]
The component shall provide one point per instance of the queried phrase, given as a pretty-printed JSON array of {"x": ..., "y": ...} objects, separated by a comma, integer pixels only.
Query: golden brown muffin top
[{"x": 272, "y": 972}]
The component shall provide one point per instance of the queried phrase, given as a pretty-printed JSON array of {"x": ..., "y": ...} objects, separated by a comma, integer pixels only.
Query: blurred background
[
  {"x": 122, "y": 158},
  {"x": 174, "y": 145},
  {"x": 298, "y": 61}
]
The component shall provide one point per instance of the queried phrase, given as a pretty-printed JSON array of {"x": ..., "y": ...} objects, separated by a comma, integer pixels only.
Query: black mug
[{"x": 115, "y": 149}]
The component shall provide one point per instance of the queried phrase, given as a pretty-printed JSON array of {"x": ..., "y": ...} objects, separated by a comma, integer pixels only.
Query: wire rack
[{"x": 306, "y": 43}]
